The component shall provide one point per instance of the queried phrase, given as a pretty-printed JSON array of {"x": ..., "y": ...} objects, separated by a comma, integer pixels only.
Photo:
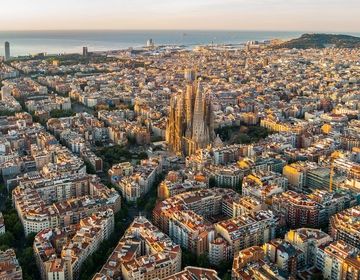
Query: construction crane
[{"x": 333, "y": 157}]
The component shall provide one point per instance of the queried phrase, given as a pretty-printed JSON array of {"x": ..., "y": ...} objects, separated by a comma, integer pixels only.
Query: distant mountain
[{"x": 319, "y": 41}]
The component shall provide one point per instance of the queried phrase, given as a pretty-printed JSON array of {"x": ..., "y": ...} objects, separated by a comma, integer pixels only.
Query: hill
[{"x": 319, "y": 41}]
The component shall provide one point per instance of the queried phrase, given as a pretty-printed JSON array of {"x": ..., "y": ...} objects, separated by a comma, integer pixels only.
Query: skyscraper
[
  {"x": 150, "y": 43},
  {"x": 7, "y": 51},
  {"x": 190, "y": 124},
  {"x": 85, "y": 51}
]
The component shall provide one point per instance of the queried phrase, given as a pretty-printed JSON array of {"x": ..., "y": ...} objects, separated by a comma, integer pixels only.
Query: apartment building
[
  {"x": 308, "y": 240},
  {"x": 43, "y": 203},
  {"x": 296, "y": 173},
  {"x": 219, "y": 250},
  {"x": 338, "y": 260},
  {"x": 140, "y": 180},
  {"x": 9, "y": 266},
  {"x": 250, "y": 263},
  {"x": 191, "y": 231},
  {"x": 204, "y": 202},
  {"x": 298, "y": 210},
  {"x": 60, "y": 252},
  {"x": 2, "y": 224},
  {"x": 264, "y": 185},
  {"x": 247, "y": 230},
  {"x": 344, "y": 226},
  {"x": 143, "y": 253},
  {"x": 194, "y": 273}
]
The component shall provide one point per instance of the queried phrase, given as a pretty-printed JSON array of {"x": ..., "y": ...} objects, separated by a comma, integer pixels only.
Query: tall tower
[
  {"x": 85, "y": 51},
  {"x": 189, "y": 75},
  {"x": 199, "y": 134},
  {"x": 7, "y": 51},
  {"x": 150, "y": 43},
  {"x": 190, "y": 124}
]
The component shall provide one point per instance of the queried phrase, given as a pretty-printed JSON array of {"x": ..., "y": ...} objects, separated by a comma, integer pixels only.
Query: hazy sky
[{"x": 299, "y": 15}]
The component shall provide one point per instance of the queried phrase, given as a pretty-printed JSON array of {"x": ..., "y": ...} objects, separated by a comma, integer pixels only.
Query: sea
[{"x": 61, "y": 42}]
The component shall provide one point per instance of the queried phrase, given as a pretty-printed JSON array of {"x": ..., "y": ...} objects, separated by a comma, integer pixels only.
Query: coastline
[{"x": 66, "y": 42}]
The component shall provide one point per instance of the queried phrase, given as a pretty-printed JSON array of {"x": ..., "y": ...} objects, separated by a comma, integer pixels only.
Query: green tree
[
  {"x": 227, "y": 276},
  {"x": 3, "y": 189},
  {"x": 89, "y": 168},
  {"x": 238, "y": 189},
  {"x": 223, "y": 269},
  {"x": 257, "y": 133},
  {"x": 7, "y": 239},
  {"x": 242, "y": 134},
  {"x": 242, "y": 139},
  {"x": 3, "y": 247},
  {"x": 7, "y": 113},
  {"x": 132, "y": 140},
  {"x": 203, "y": 261},
  {"x": 30, "y": 239},
  {"x": 13, "y": 224},
  {"x": 94, "y": 262},
  {"x": 143, "y": 155},
  {"x": 212, "y": 182},
  {"x": 188, "y": 258},
  {"x": 150, "y": 205},
  {"x": 28, "y": 263},
  {"x": 56, "y": 113},
  {"x": 14, "y": 237}
]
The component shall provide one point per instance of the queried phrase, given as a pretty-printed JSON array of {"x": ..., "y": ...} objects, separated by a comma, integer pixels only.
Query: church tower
[{"x": 190, "y": 124}]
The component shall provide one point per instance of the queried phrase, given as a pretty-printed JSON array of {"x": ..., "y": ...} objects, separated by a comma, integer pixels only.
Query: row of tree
[
  {"x": 95, "y": 261},
  {"x": 242, "y": 134},
  {"x": 14, "y": 237},
  {"x": 116, "y": 154}
]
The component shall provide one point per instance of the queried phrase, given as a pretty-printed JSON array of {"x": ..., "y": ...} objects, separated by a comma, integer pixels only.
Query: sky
[{"x": 274, "y": 15}]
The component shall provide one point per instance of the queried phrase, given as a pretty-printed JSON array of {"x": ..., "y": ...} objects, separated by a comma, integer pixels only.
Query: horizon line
[{"x": 177, "y": 29}]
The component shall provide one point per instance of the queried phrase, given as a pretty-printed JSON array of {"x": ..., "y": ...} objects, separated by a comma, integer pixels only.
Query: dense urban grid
[{"x": 163, "y": 162}]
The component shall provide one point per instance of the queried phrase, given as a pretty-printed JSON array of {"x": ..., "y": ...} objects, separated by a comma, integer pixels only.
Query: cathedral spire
[{"x": 190, "y": 123}]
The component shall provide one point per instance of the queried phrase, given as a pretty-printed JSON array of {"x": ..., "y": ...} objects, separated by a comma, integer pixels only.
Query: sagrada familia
[{"x": 190, "y": 125}]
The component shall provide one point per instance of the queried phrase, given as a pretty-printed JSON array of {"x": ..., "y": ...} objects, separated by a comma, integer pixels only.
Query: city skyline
[
  {"x": 275, "y": 15},
  {"x": 180, "y": 140}
]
